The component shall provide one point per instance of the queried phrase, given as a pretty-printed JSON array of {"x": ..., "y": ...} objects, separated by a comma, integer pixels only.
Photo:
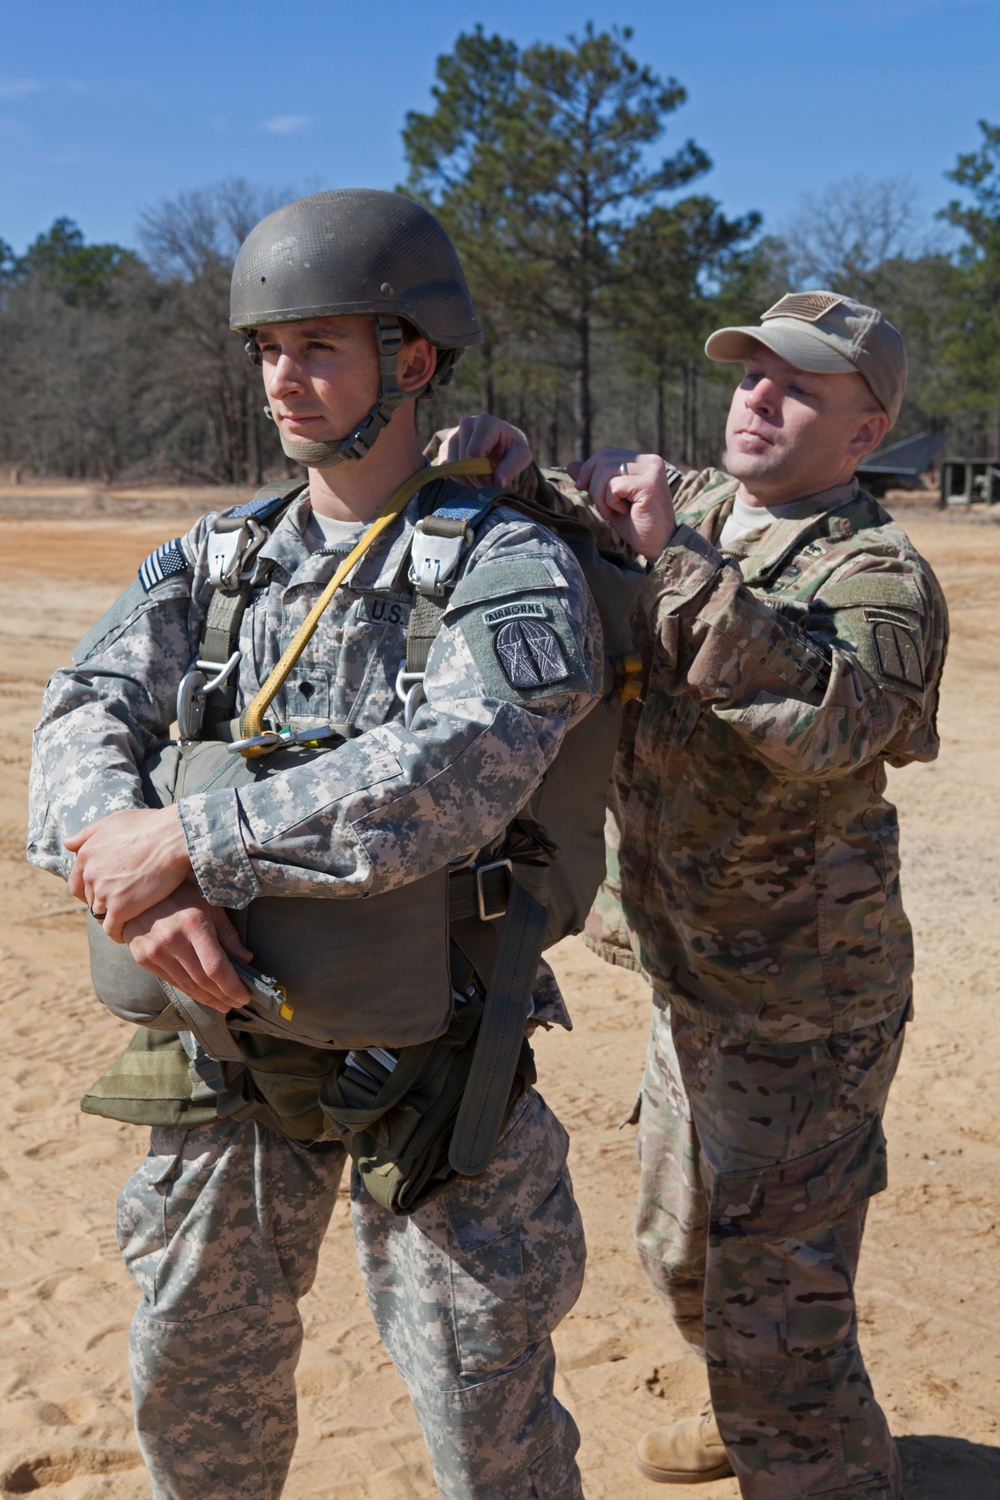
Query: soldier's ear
[
  {"x": 415, "y": 364},
  {"x": 869, "y": 434}
]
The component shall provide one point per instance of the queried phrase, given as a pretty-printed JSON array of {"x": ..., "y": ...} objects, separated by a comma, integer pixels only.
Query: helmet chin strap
[{"x": 388, "y": 341}]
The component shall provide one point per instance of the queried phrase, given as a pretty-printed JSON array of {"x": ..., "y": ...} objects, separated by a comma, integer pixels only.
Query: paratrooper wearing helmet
[{"x": 315, "y": 895}]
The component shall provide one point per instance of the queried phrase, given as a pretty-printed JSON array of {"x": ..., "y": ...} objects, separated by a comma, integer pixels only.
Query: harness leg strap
[{"x": 501, "y": 1032}]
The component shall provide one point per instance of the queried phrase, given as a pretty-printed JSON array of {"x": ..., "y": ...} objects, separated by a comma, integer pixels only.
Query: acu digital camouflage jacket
[
  {"x": 759, "y": 864},
  {"x": 392, "y": 803}
]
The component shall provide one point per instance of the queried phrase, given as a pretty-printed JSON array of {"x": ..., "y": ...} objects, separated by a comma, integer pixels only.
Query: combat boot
[{"x": 687, "y": 1452}]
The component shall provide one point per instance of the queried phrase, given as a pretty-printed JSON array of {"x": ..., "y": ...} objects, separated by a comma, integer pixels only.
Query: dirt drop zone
[{"x": 930, "y": 1319}]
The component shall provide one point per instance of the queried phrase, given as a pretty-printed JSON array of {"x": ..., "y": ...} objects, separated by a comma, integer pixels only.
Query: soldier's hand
[
  {"x": 184, "y": 940},
  {"x": 485, "y": 437},
  {"x": 630, "y": 491},
  {"x": 127, "y": 862}
]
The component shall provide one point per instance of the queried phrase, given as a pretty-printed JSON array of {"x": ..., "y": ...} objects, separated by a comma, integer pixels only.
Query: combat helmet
[{"x": 362, "y": 252}]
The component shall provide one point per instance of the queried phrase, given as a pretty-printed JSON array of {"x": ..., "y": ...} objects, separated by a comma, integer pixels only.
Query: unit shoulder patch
[
  {"x": 897, "y": 652},
  {"x": 889, "y": 643},
  {"x": 530, "y": 654},
  {"x": 513, "y": 616}
]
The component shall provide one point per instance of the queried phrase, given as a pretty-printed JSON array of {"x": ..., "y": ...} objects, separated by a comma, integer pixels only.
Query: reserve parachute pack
[{"x": 323, "y": 974}]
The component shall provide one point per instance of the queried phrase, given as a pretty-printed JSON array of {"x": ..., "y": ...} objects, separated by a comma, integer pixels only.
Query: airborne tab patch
[
  {"x": 530, "y": 654},
  {"x": 524, "y": 609}
]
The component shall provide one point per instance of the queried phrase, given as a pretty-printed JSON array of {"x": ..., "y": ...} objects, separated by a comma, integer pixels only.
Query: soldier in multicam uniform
[
  {"x": 221, "y": 1225},
  {"x": 794, "y": 642}
]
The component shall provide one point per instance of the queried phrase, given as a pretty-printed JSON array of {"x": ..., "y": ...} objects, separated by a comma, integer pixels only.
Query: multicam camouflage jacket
[
  {"x": 752, "y": 850},
  {"x": 392, "y": 803}
]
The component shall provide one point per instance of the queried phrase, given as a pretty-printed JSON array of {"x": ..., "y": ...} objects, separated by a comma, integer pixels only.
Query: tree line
[{"x": 597, "y": 262}]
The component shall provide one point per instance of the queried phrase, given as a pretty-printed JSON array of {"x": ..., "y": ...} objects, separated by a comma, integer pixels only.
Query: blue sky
[{"x": 107, "y": 107}]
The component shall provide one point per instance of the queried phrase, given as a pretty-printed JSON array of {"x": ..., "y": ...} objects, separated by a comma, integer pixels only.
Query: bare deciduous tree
[
  {"x": 843, "y": 237},
  {"x": 190, "y": 243},
  {"x": 186, "y": 236}
]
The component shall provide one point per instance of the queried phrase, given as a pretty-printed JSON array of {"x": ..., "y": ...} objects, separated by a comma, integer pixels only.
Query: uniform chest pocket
[
  {"x": 372, "y": 651},
  {"x": 309, "y": 692}
]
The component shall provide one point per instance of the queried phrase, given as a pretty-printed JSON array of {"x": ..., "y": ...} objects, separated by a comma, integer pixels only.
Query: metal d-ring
[
  {"x": 410, "y": 692},
  {"x": 195, "y": 685}
]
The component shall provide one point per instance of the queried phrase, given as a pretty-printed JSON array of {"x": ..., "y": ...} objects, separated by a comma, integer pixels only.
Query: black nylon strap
[
  {"x": 478, "y": 942},
  {"x": 501, "y": 1032}
]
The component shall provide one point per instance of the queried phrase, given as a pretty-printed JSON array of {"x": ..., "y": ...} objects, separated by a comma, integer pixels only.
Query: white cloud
[
  {"x": 285, "y": 124},
  {"x": 16, "y": 88}
]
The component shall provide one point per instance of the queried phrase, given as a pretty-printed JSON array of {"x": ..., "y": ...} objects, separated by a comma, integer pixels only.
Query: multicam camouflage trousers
[
  {"x": 221, "y": 1228},
  {"x": 757, "y": 1162}
]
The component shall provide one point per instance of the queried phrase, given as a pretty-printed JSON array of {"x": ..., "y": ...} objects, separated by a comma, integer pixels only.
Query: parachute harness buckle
[
  {"x": 435, "y": 552},
  {"x": 480, "y": 871},
  {"x": 201, "y": 678},
  {"x": 232, "y": 547}
]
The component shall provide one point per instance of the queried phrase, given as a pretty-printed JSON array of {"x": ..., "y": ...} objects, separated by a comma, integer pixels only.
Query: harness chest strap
[
  {"x": 202, "y": 709},
  {"x": 253, "y": 719}
]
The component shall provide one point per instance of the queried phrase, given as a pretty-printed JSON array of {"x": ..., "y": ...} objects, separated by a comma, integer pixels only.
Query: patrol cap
[
  {"x": 828, "y": 335},
  {"x": 354, "y": 251}
]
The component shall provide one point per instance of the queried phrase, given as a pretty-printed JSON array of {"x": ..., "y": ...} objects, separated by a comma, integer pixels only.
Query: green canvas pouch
[
  {"x": 398, "y": 1126},
  {"x": 151, "y": 1083}
]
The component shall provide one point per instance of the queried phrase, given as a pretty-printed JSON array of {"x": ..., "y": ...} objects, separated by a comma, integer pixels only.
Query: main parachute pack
[{"x": 326, "y": 973}]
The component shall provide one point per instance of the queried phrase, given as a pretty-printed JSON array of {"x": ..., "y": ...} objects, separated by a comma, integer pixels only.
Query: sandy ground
[{"x": 931, "y": 1323}]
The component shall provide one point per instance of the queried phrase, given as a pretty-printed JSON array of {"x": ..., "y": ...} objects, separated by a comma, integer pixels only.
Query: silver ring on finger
[{"x": 623, "y": 469}]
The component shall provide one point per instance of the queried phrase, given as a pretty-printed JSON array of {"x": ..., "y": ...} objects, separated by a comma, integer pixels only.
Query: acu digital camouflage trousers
[
  {"x": 221, "y": 1227},
  {"x": 757, "y": 1162}
]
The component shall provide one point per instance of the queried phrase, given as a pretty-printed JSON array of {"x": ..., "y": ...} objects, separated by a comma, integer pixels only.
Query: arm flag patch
[{"x": 168, "y": 561}]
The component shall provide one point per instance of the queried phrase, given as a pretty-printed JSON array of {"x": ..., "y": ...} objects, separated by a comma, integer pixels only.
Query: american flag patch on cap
[
  {"x": 168, "y": 561},
  {"x": 809, "y": 306}
]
